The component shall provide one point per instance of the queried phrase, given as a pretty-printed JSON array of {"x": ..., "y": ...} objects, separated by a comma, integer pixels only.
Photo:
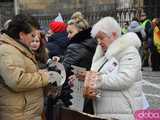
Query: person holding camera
[{"x": 21, "y": 80}]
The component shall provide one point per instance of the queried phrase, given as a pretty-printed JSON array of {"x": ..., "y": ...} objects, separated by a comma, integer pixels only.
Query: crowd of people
[
  {"x": 113, "y": 58},
  {"x": 148, "y": 32}
]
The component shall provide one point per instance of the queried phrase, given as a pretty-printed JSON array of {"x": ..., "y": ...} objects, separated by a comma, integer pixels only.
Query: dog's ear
[{"x": 51, "y": 90}]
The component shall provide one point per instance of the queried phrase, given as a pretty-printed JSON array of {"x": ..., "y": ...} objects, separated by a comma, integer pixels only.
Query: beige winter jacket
[{"x": 21, "y": 95}]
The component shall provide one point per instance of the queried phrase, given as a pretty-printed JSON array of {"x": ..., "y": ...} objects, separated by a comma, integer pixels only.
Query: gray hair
[{"x": 106, "y": 25}]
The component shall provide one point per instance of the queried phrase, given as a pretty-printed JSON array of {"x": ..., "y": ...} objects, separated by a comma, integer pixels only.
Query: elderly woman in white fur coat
[{"x": 117, "y": 65}]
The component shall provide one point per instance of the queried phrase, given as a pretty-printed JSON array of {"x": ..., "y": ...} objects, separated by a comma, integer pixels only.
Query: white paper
[{"x": 78, "y": 100}]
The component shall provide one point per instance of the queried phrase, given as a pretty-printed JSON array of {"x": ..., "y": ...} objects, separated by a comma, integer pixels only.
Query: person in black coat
[{"x": 80, "y": 51}]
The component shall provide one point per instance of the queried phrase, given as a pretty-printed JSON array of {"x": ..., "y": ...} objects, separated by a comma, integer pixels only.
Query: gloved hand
[
  {"x": 91, "y": 85},
  {"x": 54, "y": 77}
]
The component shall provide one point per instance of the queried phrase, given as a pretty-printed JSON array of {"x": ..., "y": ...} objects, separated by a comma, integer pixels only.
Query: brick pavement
[{"x": 151, "y": 87}]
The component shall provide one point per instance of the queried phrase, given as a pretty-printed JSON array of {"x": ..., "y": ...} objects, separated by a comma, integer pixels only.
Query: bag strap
[{"x": 102, "y": 65}]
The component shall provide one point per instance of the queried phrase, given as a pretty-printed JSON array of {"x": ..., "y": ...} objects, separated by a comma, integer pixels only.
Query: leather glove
[
  {"x": 91, "y": 84},
  {"x": 54, "y": 77}
]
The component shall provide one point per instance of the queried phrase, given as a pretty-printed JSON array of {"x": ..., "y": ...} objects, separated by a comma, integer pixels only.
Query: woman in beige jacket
[{"x": 21, "y": 82}]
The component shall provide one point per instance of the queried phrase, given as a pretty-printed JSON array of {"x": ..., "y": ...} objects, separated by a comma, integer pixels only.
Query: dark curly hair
[{"x": 21, "y": 23}]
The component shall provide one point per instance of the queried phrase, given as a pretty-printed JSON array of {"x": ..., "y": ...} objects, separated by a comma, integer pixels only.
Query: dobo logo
[{"x": 148, "y": 114}]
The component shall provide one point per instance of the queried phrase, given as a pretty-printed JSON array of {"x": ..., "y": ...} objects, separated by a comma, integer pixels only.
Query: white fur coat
[{"x": 121, "y": 93}]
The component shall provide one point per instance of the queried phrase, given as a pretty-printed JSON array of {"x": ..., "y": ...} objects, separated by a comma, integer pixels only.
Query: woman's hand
[
  {"x": 91, "y": 84},
  {"x": 79, "y": 72},
  {"x": 56, "y": 59},
  {"x": 81, "y": 75}
]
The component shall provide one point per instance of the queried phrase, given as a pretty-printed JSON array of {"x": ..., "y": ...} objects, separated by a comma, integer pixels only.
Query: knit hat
[
  {"x": 57, "y": 26},
  {"x": 134, "y": 24}
]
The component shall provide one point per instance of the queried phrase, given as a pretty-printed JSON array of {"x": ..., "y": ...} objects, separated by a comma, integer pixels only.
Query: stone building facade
[{"x": 46, "y": 10}]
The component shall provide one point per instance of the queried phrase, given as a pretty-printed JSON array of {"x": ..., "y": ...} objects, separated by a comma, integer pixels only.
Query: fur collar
[
  {"x": 81, "y": 36},
  {"x": 125, "y": 41}
]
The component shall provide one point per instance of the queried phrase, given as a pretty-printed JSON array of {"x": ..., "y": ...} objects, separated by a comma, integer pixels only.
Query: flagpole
[{"x": 16, "y": 7}]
